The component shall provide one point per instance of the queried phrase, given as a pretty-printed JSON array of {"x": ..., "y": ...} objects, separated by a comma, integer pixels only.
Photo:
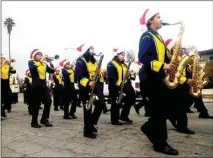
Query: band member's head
[
  {"x": 57, "y": 70},
  {"x": 36, "y": 54},
  {"x": 65, "y": 63},
  {"x": 120, "y": 53},
  {"x": 151, "y": 19}
]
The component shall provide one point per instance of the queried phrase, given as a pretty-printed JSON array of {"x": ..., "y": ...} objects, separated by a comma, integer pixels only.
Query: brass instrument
[
  {"x": 131, "y": 58},
  {"x": 92, "y": 96},
  {"x": 48, "y": 59},
  {"x": 170, "y": 81}
]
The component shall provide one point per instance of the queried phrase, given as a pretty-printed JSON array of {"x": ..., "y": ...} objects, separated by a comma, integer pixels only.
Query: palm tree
[{"x": 9, "y": 23}]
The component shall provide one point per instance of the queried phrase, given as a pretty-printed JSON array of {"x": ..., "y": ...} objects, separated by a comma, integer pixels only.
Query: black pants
[
  {"x": 40, "y": 94},
  {"x": 90, "y": 117},
  {"x": 57, "y": 91},
  {"x": 200, "y": 105},
  {"x": 29, "y": 99},
  {"x": 156, "y": 124},
  {"x": 69, "y": 96},
  {"x": 129, "y": 100},
  {"x": 5, "y": 96},
  {"x": 25, "y": 96}
]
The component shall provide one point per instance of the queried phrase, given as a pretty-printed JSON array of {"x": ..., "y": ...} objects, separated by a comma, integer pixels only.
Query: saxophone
[
  {"x": 170, "y": 81},
  {"x": 198, "y": 75}
]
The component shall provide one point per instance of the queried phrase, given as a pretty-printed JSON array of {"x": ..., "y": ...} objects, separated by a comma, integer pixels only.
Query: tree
[{"x": 9, "y": 23}]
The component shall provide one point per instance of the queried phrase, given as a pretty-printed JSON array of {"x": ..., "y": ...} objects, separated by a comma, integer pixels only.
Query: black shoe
[
  {"x": 30, "y": 113},
  {"x": 189, "y": 111},
  {"x": 126, "y": 120},
  {"x": 62, "y": 108},
  {"x": 9, "y": 111},
  {"x": 46, "y": 123},
  {"x": 205, "y": 115},
  {"x": 185, "y": 130},
  {"x": 67, "y": 118},
  {"x": 145, "y": 131},
  {"x": 105, "y": 111},
  {"x": 90, "y": 135},
  {"x": 117, "y": 123},
  {"x": 36, "y": 125},
  {"x": 73, "y": 116},
  {"x": 173, "y": 122},
  {"x": 56, "y": 109},
  {"x": 137, "y": 110},
  {"x": 147, "y": 114},
  {"x": 4, "y": 115},
  {"x": 94, "y": 130},
  {"x": 166, "y": 150}
]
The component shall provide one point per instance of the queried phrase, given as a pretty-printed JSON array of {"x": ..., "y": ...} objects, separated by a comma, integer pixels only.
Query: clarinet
[
  {"x": 122, "y": 94},
  {"x": 92, "y": 96}
]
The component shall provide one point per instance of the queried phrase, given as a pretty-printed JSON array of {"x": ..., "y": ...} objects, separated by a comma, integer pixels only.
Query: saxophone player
[
  {"x": 40, "y": 91},
  {"x": 69, "y": 94},
  {"x": 152, "y": 55},
  {"x": 116, "y": 70},
  {"x": 6, "y": 70},
  {"x": 85, "y": 70},
  {"x": 181, "y": 97}
]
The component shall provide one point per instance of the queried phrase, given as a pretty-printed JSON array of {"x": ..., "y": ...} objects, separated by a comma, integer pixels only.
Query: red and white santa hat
[
  {"x": 58, "y": 68},
  {"x": 169, "y": 43},
  {"x": 64, "y": 62},
  {"x": 118, "y": 51},
  {"x": 34, "y": 52},
  {"x": 146, "y": 16},
  {"x": 83, "y": 48},
  {"x": 27, "y": 72}
]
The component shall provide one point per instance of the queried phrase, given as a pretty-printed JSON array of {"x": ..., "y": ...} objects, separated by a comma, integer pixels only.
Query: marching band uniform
[
  {"x": 28, "y": 84},
  {"x": 40, "y": 91},
  {"x": 69, "y": 94},
  {"x": 57, "y": 89},
  {"x": 6, "y": 70},
  {"x": 85, "y": 71},
  {"x": 152, "y": 56},
  {"x": 116, "y": 71}
]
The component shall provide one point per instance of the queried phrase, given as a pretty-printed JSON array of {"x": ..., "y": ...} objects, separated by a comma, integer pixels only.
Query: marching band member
[
  {"x": 69, "y": 94},
  {"x": 152, "y": 56},
  {"x": 181, "y": 97},
  {"x": 40, "y": 91},
  {"x": 6, "y": 70},
  {"x": 116, "y": 70},
  {"x": 57, "y": 89},
  {"x": 28, "y": 84},
  {"x": 85, "y": 70}
]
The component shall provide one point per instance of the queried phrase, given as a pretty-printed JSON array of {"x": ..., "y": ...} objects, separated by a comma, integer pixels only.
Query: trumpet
[{"x": 49, "y": 59}]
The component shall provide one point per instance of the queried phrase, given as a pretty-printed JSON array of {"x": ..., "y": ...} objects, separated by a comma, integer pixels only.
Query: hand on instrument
[
  {"x": 92, "y": 84},
  {"x": 44, "y": 57},
  {"x": 170, "y": 68},
  {"x": 191, "y": 82}
]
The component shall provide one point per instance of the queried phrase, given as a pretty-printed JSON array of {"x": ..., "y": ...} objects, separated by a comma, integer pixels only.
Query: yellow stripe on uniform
[
  {"x": 5, "y": 72},
  {"x": 84, "y": 82},
  {"x": 41, "y": 69}
]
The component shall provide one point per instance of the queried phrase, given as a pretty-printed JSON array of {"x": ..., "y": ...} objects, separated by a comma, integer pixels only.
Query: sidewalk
[{"x": 65, "y": 138}]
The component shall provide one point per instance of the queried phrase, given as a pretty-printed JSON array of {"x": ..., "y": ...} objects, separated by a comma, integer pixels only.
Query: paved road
[{"x": 66, "y": 139}]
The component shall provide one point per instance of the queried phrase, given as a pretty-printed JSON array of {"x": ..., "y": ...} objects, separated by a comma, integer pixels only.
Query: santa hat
[
  {"x": 147, "y": 15},
  {"x": 139, "y": 63},
  {"x": 169, "y": 43},
  {"x": 118, "y": 51},
  {"x": 58, "y": 68},
  {"x": 34, "y": 52},
  {"x": 27, "y": 72},
  {"x": 64, "y": 62},
  {"x": 83, "y": 48}
]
